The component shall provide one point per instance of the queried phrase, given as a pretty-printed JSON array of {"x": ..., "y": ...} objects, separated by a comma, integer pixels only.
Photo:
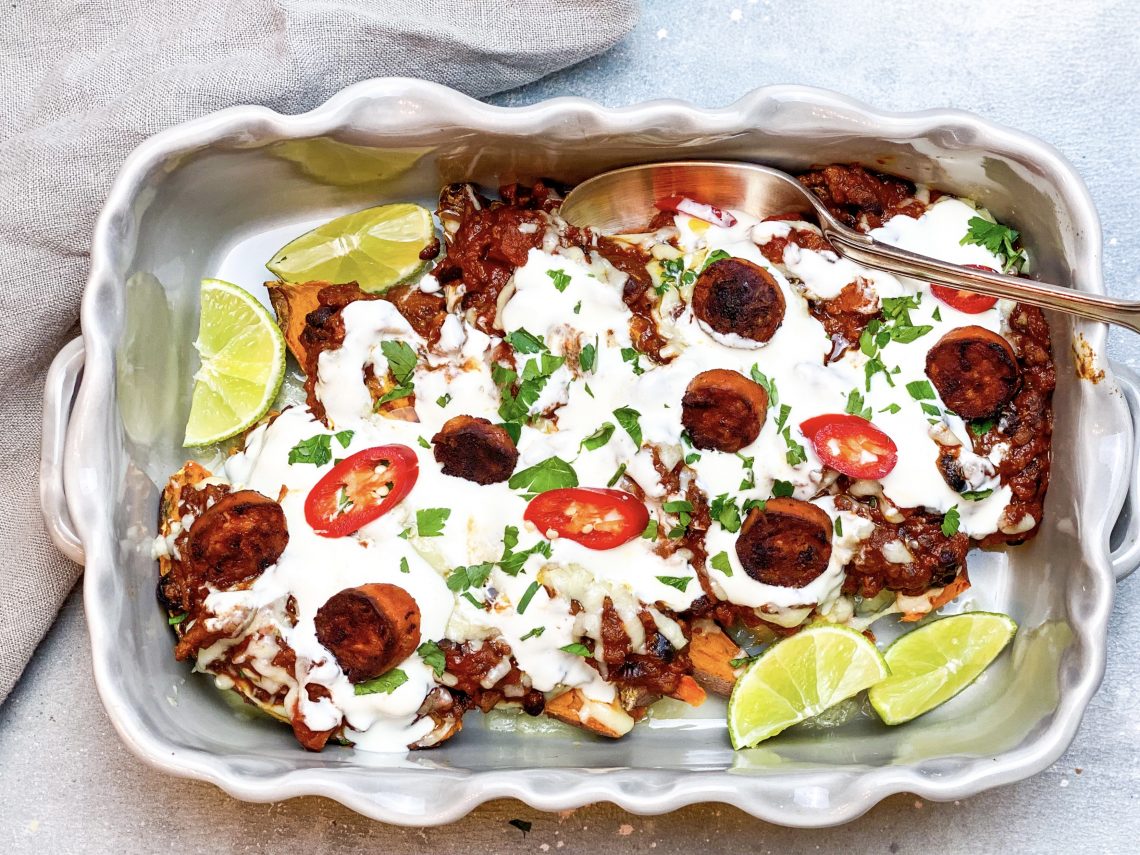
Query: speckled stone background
[{"x": 1065, "y": 71}]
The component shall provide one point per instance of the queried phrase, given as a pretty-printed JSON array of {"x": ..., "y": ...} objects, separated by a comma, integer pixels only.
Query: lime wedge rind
[
  {"x": 800, "y": 677},
  {"x": 377, "y": 248},
  {"x": 242, "y": 352},
  {"x": 937, "y": 662}
]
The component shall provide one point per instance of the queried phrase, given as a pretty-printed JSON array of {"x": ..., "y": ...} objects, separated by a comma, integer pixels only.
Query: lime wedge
[
  {"x": 376, "y": 248},
  {"x": 935, "y": 662},
  {"x": 798, "y": 678},
  {"x": 243, "y": 363}
]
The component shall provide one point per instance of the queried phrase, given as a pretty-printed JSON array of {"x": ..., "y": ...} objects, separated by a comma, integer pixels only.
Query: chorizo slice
[
  {"x": 736, "y": 297},
  {"x": 474, "y": 449},
  {"x": 974, "y": 370},
  {"x": 236, "y": 539},
  {"x": 785, "y": 543},
  {"x": 723, "y": 410},
  {"x": 369, "y": 629}
]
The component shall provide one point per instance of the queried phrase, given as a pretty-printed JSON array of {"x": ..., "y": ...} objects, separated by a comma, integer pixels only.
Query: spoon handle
[{"x": 867, "y": 251}]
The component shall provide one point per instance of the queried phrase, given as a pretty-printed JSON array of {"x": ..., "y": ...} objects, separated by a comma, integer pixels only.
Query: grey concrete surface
[{"x": 1066, "y": 72}]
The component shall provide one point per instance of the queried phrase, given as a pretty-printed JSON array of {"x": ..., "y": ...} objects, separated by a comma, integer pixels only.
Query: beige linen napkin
[{"x": 81, "y": 84}]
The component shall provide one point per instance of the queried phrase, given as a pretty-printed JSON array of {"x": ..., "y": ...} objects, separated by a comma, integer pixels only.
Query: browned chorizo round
[
  {"x": 369, "y": 629},
  {"x": 974, "y": 370},
  {"x": 785, "y": 543},
  {"x": 723, "y": 410},
  {"x": 737, "y": 297},
  {"x": 236, "y": 539},
  {"x": 474, "y": 449}
]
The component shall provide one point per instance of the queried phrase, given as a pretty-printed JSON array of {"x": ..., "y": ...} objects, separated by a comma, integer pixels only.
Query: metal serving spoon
[{"x": 622, "y": 201}]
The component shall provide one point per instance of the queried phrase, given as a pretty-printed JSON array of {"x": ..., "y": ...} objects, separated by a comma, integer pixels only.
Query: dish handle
[
  {"x": 59, "y": 395},
  {"x": 1126, "y": 556}
]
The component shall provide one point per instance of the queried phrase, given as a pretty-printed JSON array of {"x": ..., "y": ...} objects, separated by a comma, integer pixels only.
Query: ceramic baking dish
[{"x": 190, "y": 198}]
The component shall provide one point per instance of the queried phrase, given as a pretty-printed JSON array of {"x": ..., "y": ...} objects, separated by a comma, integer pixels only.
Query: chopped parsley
[
  {"x": 176, "y": 619},
  {"x": 713, "y": 257},
  {"x": 519, "y": 394},
  {"x": 527, "y": 596},
  {"x": 720, "y": 562},
  {"x": 628, "y": 417},
  {"x": 423, "y": 442},
  {"x": 650, "y": 532},
  {"x": 384, "y": 684},
  {"x": 550, "y": 474},
  {"x": 768, "y": 385},
  {"x": 578, "y": 307},
  {"x": 467, "y": 595},
  {"x": 316, "y": 450},
  {"x": 430, "y": 521},
  {"x": 838, "y": 525},
  {"x": 599, "y": 437},
  {"x": 344, "y": 437},
  {"x": 749, "y": 480},
  {"x": 588, "y": 357},
  {"x": 999, "y": 240},
  {"x": 936, "y": 314},
  {"x": 404, "y": 568},
  {"x": 890, "y": 408},
  {"x": 921, "y": 390},
  {"x": 394, "y": 394},
  {"x": 512, "y": 562},
  {"x": 433, "y": 657},
  {"x": 980, "y": 427},
  {"x": 977, "y": 495},
  {"x": 724, "y": 511},
  {"x": 560, "y": 278},
  {"x": 895, "y": 325},
  {"x": 577, "y": 649},
  {"x": 856, "y": 406},
  {"x": 782, "y": 418},
  {"x": 630, "y": 355},
  {"x": 616, "y": 476},
  {"x": 462, "y": 578},
  {"x": 343, "y": 503},
  {"x": 401, "y": 360},
  {"x": 678, "y": 582},
  {"x": 950, "y": 522},
  {"x": 534, "y": 633},
  {"x": 796, "y": 453},
  {"x": 782, "y": 489},
  {"x": 525, "y": 342},
  {"x": 684, "y": 511},
  {"x": 674, "y": 275},
  {"x": 740, "y": 662},
  {"x": 443, "y": 400}
]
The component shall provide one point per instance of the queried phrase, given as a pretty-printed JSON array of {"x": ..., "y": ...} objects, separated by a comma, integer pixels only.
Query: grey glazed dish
[{"x": 186, "y": 197}]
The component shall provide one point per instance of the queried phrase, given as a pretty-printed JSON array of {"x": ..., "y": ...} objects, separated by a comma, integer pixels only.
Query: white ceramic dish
[{"x": 187, "y": 199}]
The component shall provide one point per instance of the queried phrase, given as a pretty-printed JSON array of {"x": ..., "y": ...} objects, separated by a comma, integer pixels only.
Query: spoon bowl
[{"x": 623, "y": 201}]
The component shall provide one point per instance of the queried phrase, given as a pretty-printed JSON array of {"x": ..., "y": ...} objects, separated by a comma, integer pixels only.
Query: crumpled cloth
[{"x": 82, "y": 84}]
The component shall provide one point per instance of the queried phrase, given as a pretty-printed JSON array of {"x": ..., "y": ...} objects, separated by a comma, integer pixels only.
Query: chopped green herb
[
  {"x": 999, "y": 240},
  {"x": 874, "y": 366},
  {"x": 599, "y": 437},
  {"x": 433, "y": 657},
  {"x": 405, "y": 534},
  {"x": 977, "y": 495},
  {"x": 713, "y": 257},
  {"x": 684, "y": 511},
  {"x": 616, "y": 476},
  {"x": 678, "y": 582},
  {"x": 782, "y": 419},
  {"x": 394, "y": 394},
  {"x": 769, "y": 385},
  {"x": 401, "y": 358},
  {"x": 467, "y": 595},
  {"x": 891, "y": 408},
  {"x": 560, "y": 278},
  {"x": 921, "y": 390},
  {"x": 343, "y": 503},
  {"x": 650, "y": 532},
  {"x": 344, "y": 437},
  {"x": 534, "y": 633},
  {"x": 443, "y": 400},
  {"x": 384, "y": 684},
  {"x": 692, "y": 458},
  {"x": 462, "y": 578},
  {"x": 628, "y": 354},
  {"x": 174, "y": 620},
  {"x": 749, "y": 480},
  {"x": 628, "y": 419},
  {"x": 525, "y": 342},
  {"x": 782, "y": 489},
  {"x": 856, "y": 406},
  {"x": 589, "y": 391},
  {"x": 980, "y": 427},
  {"x": 588, "y": 357},
  {"x": 930, "y": 409},
  {"x": 577, "y": 649},
  {"x": 404, "y": 568},
  {"x": 527, "y": 596},
  {"x": 720, "y": 562},
  {"x": 578, "y": 307},
  {"x": 430, "y": 521},
  {"x": 796, "y": 453},
  {"x": 423, "y": 442},
  {"x": 950, "y": 522},
  {"x": 936, "y": 314},
  {"x": 838, "y": 527},
  {"x": 551, "y": 474},
  {"x": 742, "y": 661},
  {"x": 724, "y": 511},
  {"x": 512, "y": 562},
  {"x": 316, "y": 450},
  {"x": 674, "y": 275},
  {"x": 513, "y": 429}
]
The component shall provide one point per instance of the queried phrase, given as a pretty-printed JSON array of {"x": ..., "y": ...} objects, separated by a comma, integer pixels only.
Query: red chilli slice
[
  {"x": 964, "y": 301},
  {"x": 851, "y": 445},
  {"x": 596, "y": 517},
  {"x": 361, "y": 488}
]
